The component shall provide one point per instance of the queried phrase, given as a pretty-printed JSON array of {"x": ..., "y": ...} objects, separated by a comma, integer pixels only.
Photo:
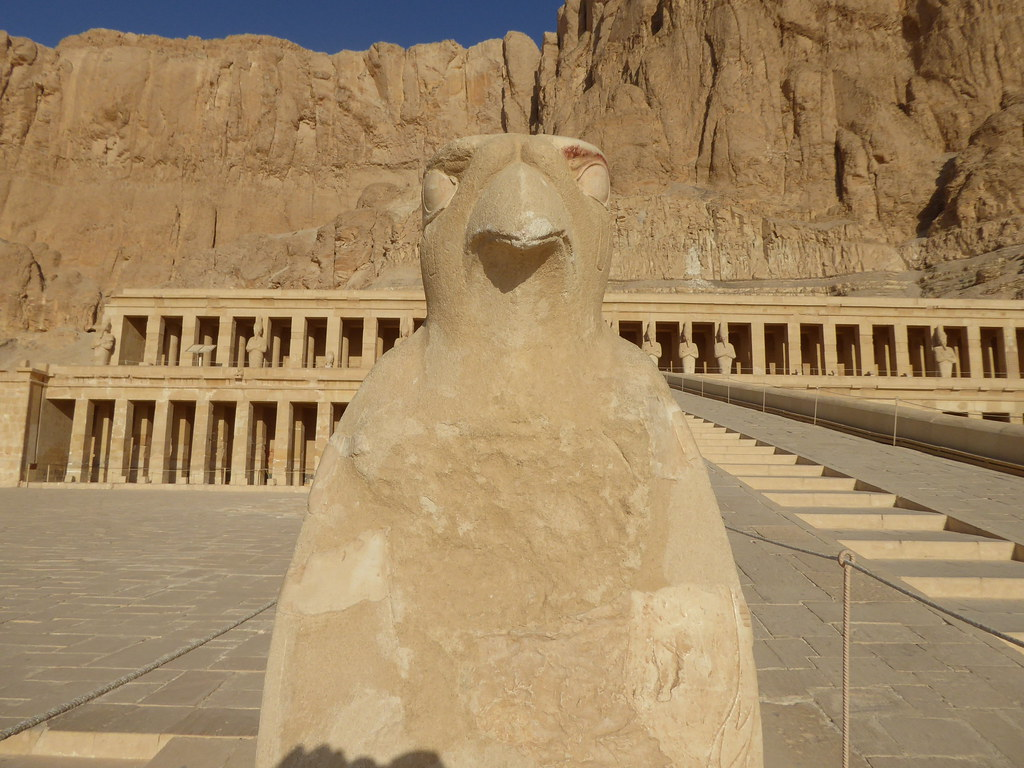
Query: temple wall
[{"x": 244, "y": 388}]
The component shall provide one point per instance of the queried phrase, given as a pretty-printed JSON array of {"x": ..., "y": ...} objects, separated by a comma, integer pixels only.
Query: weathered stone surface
[
  {"x": 128, "y": 153},
  {"x": 512, "y": 555}
]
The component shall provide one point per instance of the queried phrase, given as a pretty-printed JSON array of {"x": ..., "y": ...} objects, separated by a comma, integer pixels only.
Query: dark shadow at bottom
[{"x": 325, "y": 757}]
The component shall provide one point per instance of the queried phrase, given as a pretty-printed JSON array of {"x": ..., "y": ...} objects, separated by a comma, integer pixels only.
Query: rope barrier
[
  {"x": 845, "y": 559},
  {"x": 889, "y": 583},
  {"x": 67, "y": 706}
]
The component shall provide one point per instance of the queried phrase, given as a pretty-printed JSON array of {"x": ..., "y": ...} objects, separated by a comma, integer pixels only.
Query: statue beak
[{"x": 518, "y": 211}]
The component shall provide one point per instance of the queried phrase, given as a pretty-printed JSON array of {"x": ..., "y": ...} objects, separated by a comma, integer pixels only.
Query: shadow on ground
[{"x": 325, "y": 757}]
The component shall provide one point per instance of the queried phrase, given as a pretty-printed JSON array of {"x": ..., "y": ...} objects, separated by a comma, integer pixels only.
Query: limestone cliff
[
  {"x": 749, "y": 140},
  {"x": 128, "y": 154},
  {"x": 832, "y": 134}
]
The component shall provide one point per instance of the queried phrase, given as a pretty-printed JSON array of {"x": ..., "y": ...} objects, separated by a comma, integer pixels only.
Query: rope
[
  {"x": 60, "y": 709},
  {"x": 889, "y": 583},
  {"x": 846, "y": 560}
]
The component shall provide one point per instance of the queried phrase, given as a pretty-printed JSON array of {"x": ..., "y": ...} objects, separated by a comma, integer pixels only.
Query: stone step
[
  {"x": 924, "y": 545},
  {"x": 771, "y": 470},
  {"x": 961, "y": 578},
  {"x": 722, "y": 441},
  {"x": 839, "y": 499},
  {"x": 755, "y": 459},
  {"x": 908, "y": 521},
  {"x": 764, "y": 483},
  {"x": 206, "y": 752},
  {"x": 738, "y": 450}
]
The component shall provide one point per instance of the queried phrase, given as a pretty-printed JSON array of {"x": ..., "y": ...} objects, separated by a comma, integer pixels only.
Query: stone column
[
  {"x": 282, "y": 438},
  {"x": 77, "y": 452},
  {"x": 1013, "y": 370},
  {"x": 334, "y": 341},
  {"x": 866, "y": 336},
  {"x": 120, "y": 430},
  {"x": 240, "y": 444},
  {"x": 225, "y": 342},
  {"x": 346, "y": 352},
  {"x": 199, "y": 460},
  {"x": 323, "y": 428},
  {"x": 297, "y": 343},
  {"x": 188, "y": 339},
  {"x": 158, "y": 451},
  {"x": 145, "y": 448},
  {"x": 902, "y": 341},
  {"x": 370, "y": 332},
  {"x": 757, "y": 351},
  {"x": 151, "y": 353},
  {"x": 830, "y": 351},
  {"x": 793, "y": 356},
  {"x": 296, "y": 455},
  {"x": 974, "y": 351}
]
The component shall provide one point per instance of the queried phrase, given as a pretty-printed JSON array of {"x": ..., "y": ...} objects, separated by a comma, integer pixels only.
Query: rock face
[
  {"x": 832, "y": 134},
  {"x": 128, "y": 153},
  {"x": 513, "y": 556},
  {"x": 758, "y": 139}
]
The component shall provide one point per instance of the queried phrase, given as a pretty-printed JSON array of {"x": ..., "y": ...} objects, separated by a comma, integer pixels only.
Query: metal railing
[
  {"x": 897, "y": 422},
  {"x": 806, "y": 369}
]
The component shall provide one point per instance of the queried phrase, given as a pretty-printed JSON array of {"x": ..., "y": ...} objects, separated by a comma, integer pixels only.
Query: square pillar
[
  {"x": 282, "y": 443},
  {"x": 154, "y": 333},
  {"x": 198, "y": 461},
  {"x": 974, "y": 351},
  {"x": 794, "y": 356},
  {"x": 188, "y": 338},
  {"x": 297, "y": 343},
  {"x": 829, "y": 347},
  {"x": 240, "y": 445},
  {"x": 903, "y": 365},
  {"x": 334, "y": 340},
  {"x": 370, "y": 334},
  {"x": 158, "y": 452},
  {"x": 323, "y": 429},
  {"x": 222, "y": 355},
  {"x": 1013, "y": 367},
  {"x": 116, "y": 470},
  {"x": 79, "y": 442},
  {"x": 757, "y": 354},
  {"x": 866, "y": 350}
]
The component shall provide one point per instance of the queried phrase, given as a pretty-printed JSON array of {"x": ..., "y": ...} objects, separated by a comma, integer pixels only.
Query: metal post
[{"x": 895, "y": 418}]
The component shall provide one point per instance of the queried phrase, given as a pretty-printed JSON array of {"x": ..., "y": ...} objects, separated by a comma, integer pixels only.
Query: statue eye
[
  {"x": 438, "y": 190},
  {"x": 594, "y": 181}
]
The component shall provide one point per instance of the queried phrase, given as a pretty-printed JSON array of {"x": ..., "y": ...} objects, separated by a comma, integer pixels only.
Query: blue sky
[{"x": 321, "y": 26}]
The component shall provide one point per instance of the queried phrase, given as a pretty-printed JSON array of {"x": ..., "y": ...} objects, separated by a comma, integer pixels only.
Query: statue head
[{"x": 516, "y": 233}]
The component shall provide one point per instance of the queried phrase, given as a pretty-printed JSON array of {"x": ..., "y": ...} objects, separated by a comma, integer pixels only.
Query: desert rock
[{"x": 757, "y": 140}]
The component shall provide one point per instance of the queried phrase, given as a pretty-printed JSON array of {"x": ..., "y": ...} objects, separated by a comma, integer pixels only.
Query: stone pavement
[{"x": 94, "y": 583}]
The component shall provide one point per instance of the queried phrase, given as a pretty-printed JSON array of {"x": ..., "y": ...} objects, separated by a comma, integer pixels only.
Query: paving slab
[{"x": 95, "y": 574}]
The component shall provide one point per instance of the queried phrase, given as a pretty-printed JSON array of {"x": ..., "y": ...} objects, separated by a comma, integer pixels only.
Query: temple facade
[{"x": 245, "y": 387}]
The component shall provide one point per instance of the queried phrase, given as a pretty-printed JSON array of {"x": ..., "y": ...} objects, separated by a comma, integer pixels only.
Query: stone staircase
[{"x": 965, "y": 569}]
